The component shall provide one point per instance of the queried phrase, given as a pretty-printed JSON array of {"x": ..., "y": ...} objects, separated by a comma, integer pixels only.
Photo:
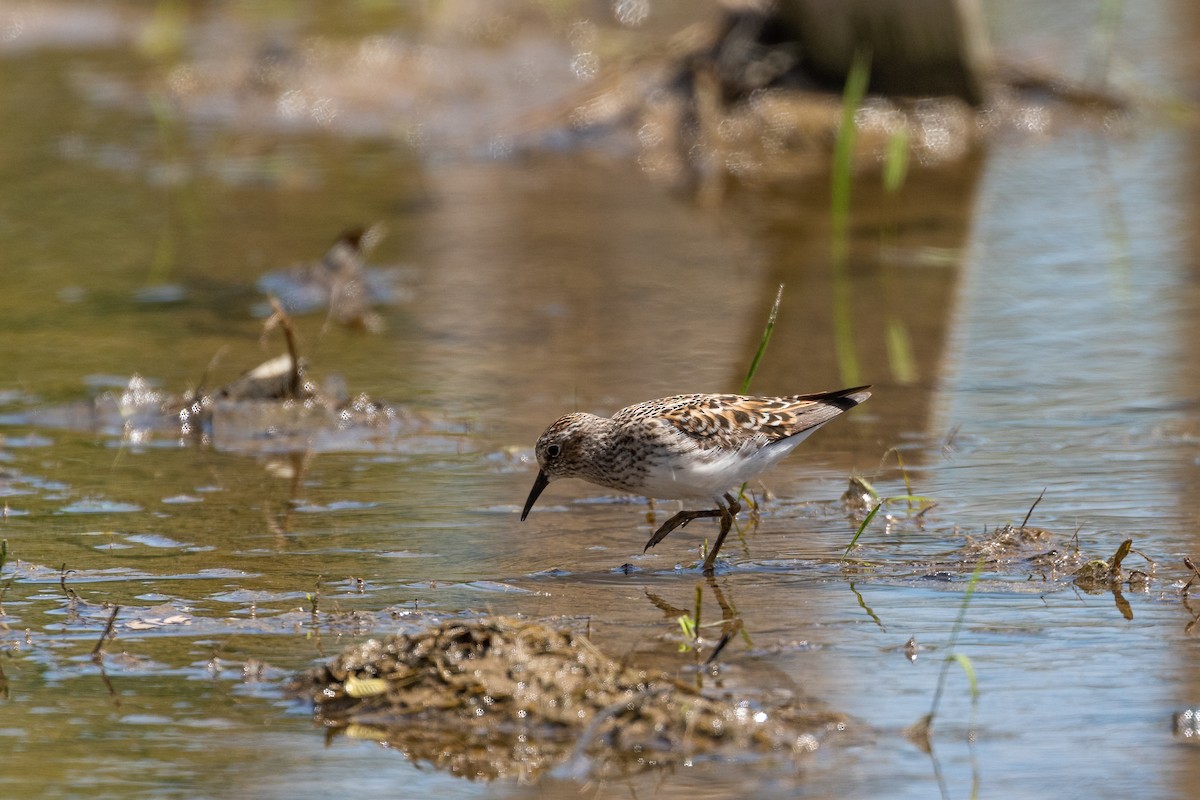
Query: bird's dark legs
[
  {"x": 726, "y": 513},
  {"x": 678, "y": 521}
]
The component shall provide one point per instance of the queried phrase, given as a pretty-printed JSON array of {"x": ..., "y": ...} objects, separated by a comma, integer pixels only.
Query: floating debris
[
  {"x": 1011, "y": 544},
  {"x": 506, "y": 698},
  {"x": 274, "y": 407},
  {"x": 1102, "y": 574},
  {"x": 860, "y": 496}
]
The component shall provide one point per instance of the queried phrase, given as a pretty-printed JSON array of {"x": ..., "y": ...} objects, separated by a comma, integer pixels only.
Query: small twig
[
  {"x": 1149, "y": 561},
  {"x": 8, "y": 583},
  {"x": 1029, "y": 513},
  {"x": 70, "y": 593},
  {"x": 1114, "y": 567},
  {"x": 98, "y": 650},
  {"x": 726, "y": 638},
  {"x": 1187, "y": 562},
  {"x": 112, "y": 691},
  {"x": 315, "y": 600},
  {"x": 281, "y": 319},
  {"x": 198, "y": 393},
  {"x": 922, "y": 512}
]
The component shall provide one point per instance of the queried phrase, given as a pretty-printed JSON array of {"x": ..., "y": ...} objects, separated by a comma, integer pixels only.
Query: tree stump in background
[{"x": 917, "y": 47}]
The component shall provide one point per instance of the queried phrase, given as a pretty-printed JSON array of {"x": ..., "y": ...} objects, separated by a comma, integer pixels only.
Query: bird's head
[{"x": 562, "y": 451}]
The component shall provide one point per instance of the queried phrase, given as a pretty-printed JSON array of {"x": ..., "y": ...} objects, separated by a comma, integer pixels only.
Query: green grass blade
[
  {"x": 958, "y": 623},
  {"x": 910, "y": 498},
  {"x": 900, "y": 353},
  {"x": 762, "y": 344},
  {"x": 862, "y": 603},
  {"x": 895, "y": 164},
  {"x": 843, "y": 156},
  {"x": 903, "y": 470},
  {"x": 962, "y": 612},
  {"x": 861, "y": 528},
  {"x": 843, "y": 149},
  {"x": 762, "y": 348},
  {"x": 965, "y": 662}
]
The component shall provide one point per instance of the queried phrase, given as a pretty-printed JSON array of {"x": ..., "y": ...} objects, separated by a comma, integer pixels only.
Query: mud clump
[
  {"x": 506, "y": 698},
  {"x": 1022, "y": 546}
]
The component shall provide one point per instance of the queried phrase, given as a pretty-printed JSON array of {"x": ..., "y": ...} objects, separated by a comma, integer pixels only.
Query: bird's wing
[{"x": 734, "y": 421}]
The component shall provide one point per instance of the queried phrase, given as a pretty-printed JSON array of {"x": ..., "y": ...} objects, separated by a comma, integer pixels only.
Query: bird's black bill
[{"x": 538, "y": 485}]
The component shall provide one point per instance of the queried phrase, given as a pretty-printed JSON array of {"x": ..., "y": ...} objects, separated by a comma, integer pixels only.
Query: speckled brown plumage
[{"x": 695, "y": 446}]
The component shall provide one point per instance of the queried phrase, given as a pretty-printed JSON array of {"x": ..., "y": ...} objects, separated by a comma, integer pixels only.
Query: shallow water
[{"x": 1047, "y": 287}]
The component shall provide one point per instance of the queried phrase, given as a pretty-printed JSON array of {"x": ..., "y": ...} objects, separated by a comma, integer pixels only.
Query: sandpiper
[{"x": 699, "y": 447}]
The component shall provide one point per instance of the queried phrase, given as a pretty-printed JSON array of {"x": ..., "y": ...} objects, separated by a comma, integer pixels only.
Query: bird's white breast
[{"x": 707, "y": 474}]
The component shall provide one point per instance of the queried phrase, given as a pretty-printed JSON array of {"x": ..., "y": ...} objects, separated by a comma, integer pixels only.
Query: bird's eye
[{"x": 553, "y": 451}]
